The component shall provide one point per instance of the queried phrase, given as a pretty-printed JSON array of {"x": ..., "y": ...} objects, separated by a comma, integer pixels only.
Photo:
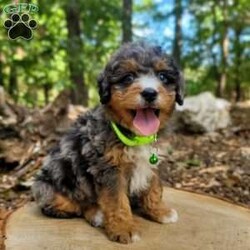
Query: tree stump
[{"x": 204, "y": 223}]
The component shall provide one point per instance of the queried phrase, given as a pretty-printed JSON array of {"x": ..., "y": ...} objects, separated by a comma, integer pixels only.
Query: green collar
[{"x": 134, "y": 141}]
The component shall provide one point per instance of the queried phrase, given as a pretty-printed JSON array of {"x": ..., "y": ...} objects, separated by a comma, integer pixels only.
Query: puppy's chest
[{"x": 142, "y": 171}]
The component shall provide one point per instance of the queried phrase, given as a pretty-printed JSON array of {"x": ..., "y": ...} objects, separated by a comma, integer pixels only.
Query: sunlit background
[{"x": 209, "y": 39}]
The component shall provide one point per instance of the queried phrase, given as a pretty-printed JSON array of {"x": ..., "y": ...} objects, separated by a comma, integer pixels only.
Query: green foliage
[
  {"x": 102, "y": 35},
  {"x": 30, "y": 70},
  {"x": 205, "y": 56},
  {"x": 42, "y": 63}
]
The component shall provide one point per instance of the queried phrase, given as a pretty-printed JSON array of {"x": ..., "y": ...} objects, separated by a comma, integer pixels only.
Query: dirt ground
[{"x": 215, "y": 163}]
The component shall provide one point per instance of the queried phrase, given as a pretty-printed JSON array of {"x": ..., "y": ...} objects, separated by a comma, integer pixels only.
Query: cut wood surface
[{"x": 205, "y": 223}]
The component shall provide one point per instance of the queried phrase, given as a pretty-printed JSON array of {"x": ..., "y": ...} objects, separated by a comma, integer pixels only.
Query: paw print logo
[{"x": 20, "y": 26}]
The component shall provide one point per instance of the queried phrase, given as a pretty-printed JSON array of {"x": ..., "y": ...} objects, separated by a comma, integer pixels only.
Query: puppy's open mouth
[{"x": 146, "y": 120}]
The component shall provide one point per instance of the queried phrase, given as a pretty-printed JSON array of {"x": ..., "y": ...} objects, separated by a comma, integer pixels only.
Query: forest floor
[{"x": 217, "y": 163}]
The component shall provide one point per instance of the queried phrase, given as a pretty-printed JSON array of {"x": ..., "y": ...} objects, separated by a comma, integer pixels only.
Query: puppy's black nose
[{"x": 149, "y": 94}]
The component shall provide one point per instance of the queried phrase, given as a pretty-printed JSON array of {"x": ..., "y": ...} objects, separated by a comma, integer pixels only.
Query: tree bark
[
  {"x": 1, "y": 71},
  {"x": 177, "y": 44},
  {"x": 127, "y": 21},
  {"x": 13, "y": 85},
  {"x": 215, "y": 69},
  {"x": 238, "y": 59},
  {"x": 224, "y": 49},
  {"x": 238, "y": 50},
  {"x": 46, "y": 90},
  {"x": 79, "y": 93}
]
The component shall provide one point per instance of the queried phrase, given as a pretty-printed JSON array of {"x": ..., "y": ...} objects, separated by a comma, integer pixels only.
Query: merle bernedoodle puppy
[{"x": 107, "y": 158}]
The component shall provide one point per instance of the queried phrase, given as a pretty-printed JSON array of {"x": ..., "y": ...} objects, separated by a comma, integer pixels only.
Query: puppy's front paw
[
  {"x": 94, "y": 216},
  {"x": 163, "y": 215},
  {"x": 124, "y": 236},
  {"x": 170, "y": 217},
  {"x": 97, "y": 219}
]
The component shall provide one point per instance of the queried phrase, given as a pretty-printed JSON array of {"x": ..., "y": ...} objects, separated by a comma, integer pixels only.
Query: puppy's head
[{"x": 139, "y": 88}]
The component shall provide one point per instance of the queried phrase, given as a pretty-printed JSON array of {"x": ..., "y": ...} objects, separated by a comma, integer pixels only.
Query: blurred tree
[
  {"x": 214, "y": 67},
  {"x": 43, "y": 63},
  {"x": 238, "y": 61},
  {"x": 224, "y": 47},
  {"x": 79, "y": 94},
  {"x": 127, "y": 21},
  {"x": 102, "y": 35},
  {"x": 36, "y": 71},
  {"x": 240, "y": 15},
  {"x": 1, "y": 71},
  {"x": 13, "y": 85},
  {"x": 219, "y": 46},
  {"x": 177, "y": 42}
]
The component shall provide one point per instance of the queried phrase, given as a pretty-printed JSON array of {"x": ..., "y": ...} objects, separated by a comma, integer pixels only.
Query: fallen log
[{"x": 204, "y": 223}]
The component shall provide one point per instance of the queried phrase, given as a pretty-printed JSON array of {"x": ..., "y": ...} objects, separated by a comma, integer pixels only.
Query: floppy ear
[
  {"x": 157, "y": 50},
  {"x": 104, "y": 88},
  {"x": 180, "y": 90}
]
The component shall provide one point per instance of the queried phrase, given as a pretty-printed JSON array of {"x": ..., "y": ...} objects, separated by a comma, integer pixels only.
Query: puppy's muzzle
[{"x": 149, "y": 94}]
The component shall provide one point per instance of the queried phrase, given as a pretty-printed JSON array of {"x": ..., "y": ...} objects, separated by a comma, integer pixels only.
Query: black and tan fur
[{"x": 91, "y": 173}]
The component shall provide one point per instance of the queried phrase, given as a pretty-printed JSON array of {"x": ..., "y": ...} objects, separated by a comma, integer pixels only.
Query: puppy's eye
[
  {"x": 127, "y": 79},
  {"x": 163, "y": 77}
]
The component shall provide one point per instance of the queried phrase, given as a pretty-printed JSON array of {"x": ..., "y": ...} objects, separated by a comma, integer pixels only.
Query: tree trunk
[
  {"x": 215, "y": 70},
  {"x": 238, "y": 57},
  {"x": 127, "y": 21},
  {"x": 1, "y": 71},
  {"x": 46, "y": 90},
  {"x": 238, "y": 49},
  {"x": 79, "y": 93},
  {"x": 177, "y": 46},
  {"x": 224, "y": 50},
  {"x": 13, "y": 86}
]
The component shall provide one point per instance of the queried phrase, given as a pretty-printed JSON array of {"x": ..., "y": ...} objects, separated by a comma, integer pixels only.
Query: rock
[{"x": 202, "y": 113}]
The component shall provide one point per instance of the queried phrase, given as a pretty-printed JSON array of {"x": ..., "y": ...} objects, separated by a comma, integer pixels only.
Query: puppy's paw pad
[{"x": 172, "y": 217}]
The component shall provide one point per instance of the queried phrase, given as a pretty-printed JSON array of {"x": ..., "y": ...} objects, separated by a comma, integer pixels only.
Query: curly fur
[{"x": 90, "y": 173}]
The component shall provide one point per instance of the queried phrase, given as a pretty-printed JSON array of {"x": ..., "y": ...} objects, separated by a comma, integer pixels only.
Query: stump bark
[{"x": 204, "y": 223}]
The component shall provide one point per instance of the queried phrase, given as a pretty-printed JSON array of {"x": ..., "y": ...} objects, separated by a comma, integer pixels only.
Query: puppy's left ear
[
  {"x": 104, "y": 88},
  {"x": 180, "y": 89}
]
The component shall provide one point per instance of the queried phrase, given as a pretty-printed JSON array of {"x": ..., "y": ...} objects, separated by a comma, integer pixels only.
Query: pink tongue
[{"x": 146, "y": 121}]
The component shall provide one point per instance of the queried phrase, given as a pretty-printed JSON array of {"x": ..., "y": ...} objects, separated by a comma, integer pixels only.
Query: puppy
[{"x": 94, "y": 172}]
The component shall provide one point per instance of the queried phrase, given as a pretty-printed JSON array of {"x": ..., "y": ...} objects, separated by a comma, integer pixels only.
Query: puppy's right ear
[
  {"x": 180, "y": 89},
  {"x": 104, "y": 88}
]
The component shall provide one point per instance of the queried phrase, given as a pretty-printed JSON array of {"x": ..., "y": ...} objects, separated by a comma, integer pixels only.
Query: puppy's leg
[
  {"x": 119, "y": 223},
  {"x": 54, "y": 204},
  {"x": 61, "y": 207},
  {"x": 153, "y": 205}
]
